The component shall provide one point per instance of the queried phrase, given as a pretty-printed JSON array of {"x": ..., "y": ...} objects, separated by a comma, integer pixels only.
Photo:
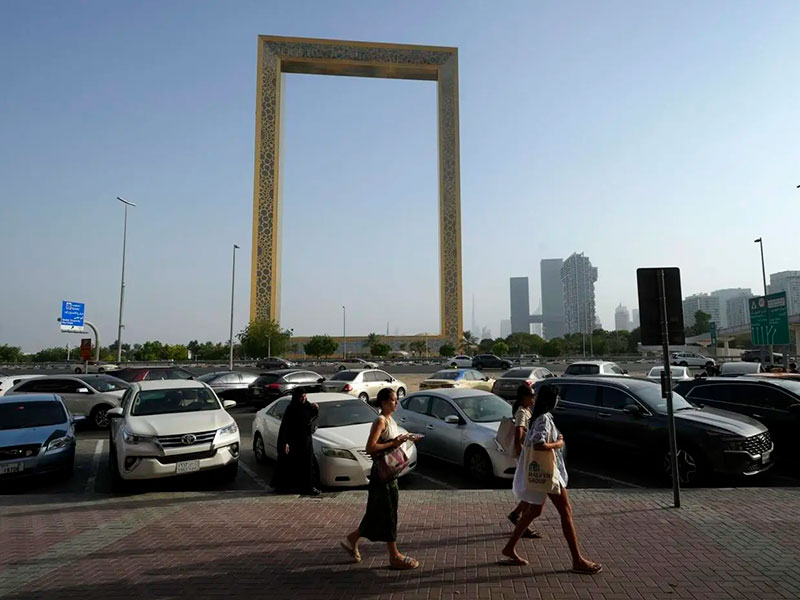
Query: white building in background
[
  {"x": 738, "y": 310},
  {"x": 724, "y": 296},
  {"x": 486, "y": 333},
  {"x": 578, "y": 277},
  {"x": 635, "y": 318},
  {"x": 505, "y": 328},
  {"x": 708, "y": 304},
  {"x": 622, "y": 318},
  {"x": 789, "y": 282}
]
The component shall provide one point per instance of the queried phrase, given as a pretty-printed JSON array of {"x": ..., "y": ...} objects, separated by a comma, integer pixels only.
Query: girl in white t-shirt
[{"x": 522, "y": 416}]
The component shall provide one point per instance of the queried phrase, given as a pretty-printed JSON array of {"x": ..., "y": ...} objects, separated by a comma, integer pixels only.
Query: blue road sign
[{"x": 72, "y": 316}]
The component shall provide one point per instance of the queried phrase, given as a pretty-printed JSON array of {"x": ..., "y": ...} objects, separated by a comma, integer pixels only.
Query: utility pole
[
  {"x": 122, "y": 284},
  {"x": 233, "y": 281}
]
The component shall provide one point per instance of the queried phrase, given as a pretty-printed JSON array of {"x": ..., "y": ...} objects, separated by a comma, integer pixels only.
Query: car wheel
[
  {"x": 401, "y": 393},
  {"x": 98, "y": 416},
  {"x": 479, "y": 366},
  {"x": 77, "y": 370},
  {"x": 709, "y": 364},
  {"x": 230, "y": 471},
  {"x": 342, "y": 368},
  {"x": 259, "y": 449},
  {"x": 690, "y": 467},
  {"x": 479, "y": 466},
  {"x": 364, "y": 397},
  {"x": 683, "y": 363},
  {"x": 101, "y": 370},
  {"x": 454, "y": 365}
]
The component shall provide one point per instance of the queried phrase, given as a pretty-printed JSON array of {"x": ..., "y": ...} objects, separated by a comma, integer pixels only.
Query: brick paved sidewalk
[{"x": 723, "y": 544}]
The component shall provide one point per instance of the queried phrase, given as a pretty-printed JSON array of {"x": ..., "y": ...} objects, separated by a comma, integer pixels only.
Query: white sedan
[
  {"x": 364, "y": 384},
  {"x": 677, "y": 374},
  {"x": 462, "y": 361},
  {"x": 94, "y": 367},
  {"x": 339, "y": 441},
  {"x": 171, "y": 427}
]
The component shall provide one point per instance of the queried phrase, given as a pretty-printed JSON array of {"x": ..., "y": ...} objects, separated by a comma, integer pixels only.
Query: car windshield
[
  {"x": 674, "y": 371},
  {"x": 22, "y": 415},
  {"x": 345, "y": 376},
  {"x": 788, "y": 384},
  {"x": 486, "y": 408},
  {"x": 344, "y": 413},
  {"x": 173, "y": 400},
  {"x": 106, "y": 384},
  {"x": 518, "y": 374},
  {"x": 447, "y": 375},
  {"x": 266, "y": 379},
  {"x": 582, "y": 369},
  {"x": 651, "y": 395}
]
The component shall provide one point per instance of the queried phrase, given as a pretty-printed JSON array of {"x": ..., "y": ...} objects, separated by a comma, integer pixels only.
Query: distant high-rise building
[
  {"x": 538, "y": 328},
  {"x": 708, "y": 304},
  {"x": 738, "y": 310},
  {"x": 578, "y": 277},
  {"x": 520, "y": 305},
  {"x": 505, "y": 328},
  {"x": 552, "y": 298},
  {"x": 622, "y": 318},
  {"x": 486, "y": 333},
  {"x": 635, "y": 318},
  {"x": 724, "y": 296},
  {"x": 789, "y": 282}
]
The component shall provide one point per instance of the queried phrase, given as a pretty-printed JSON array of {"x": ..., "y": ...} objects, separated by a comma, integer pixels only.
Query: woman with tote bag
[
  {"x": 522, "y": 411},
  {"x": 540, "y": 473}
]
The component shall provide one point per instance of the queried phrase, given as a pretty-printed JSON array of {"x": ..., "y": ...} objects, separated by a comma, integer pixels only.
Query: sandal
[
  {"x": 406, "y": 564},
  {"x": 530, "y": 533},
  {"x": 591, "y": 568},
  {"x": 351, "y": 551},
  {"x": 514, "y": 562}
]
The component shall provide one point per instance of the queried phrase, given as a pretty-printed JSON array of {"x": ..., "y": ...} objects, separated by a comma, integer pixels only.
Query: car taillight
[
  {"x": 274, "y": 386},
  {"x": 347, "y": 388}
]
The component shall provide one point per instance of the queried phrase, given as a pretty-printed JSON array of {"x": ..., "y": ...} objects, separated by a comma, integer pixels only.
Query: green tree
[
  {"x": 372, "y": 339},
  {"x": 551, "y": 348},
  {"x": 10, "y": 354},
  {"x": 56, "y": 354},
  {"x": 485, "y": 345},
  {"x": 500, "y": 348},
  {"x": 320, "y": 345},
  {"x": 418, "y": 347},
  {"x": 468, "y": 342},
  {"x": 702, "y": 323},
  {"x": 380, "y": 349},
  {"x": 447, "y": 350},
  {"x": 524, "y": 343},
  {"x": 263, "y": 337},
  {"x": 177, "y": 352},
  {"x": 403, "y": 346}
]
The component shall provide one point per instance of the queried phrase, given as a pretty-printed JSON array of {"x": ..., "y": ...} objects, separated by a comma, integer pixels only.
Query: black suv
[
  {"x": 773, "y": 401},
  {"x": 271, "y": 386},
  {"x": 273, "y": 362},
  {"x": 489, "y": 361},
  {"x": 630, "y": 414}
]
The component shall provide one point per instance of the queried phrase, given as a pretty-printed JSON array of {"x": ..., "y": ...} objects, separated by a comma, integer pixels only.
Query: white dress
[{"x": 542, "y": 431}]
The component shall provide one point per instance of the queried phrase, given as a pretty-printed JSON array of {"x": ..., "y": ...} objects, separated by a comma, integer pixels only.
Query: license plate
[
  {"x": 11, "y": 468},
  {"x": 188, "y": 466},
  {"x": 765, "y": 456}
]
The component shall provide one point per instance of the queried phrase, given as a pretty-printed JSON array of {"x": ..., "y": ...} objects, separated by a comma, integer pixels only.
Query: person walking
[
  {"x": 295, "y": 468},
  {"x": 522, "y": 416},
  {"x": 380, "y": 519},
  {"x": 543, "y": 436}
]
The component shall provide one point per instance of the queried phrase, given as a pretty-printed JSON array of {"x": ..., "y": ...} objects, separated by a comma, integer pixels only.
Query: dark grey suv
[
  {"x": 630, "y": 414},
  {"x": 271, "y": 386},
  {"x": 490, "y": 361},
  {"x": 229, "y": 385}
]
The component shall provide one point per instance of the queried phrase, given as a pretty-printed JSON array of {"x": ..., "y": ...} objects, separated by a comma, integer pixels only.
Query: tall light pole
[
  {"x": 122, "y": 284},
  {"x": 344, "y": 332},
  {"x": 233, "y": 281},
  {"x": 766, "y": 300}
]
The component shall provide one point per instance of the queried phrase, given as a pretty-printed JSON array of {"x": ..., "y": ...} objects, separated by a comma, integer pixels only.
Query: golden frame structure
[{"x": 279, "y": 55}]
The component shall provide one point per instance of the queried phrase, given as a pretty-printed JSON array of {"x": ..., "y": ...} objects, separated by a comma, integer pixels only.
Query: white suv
[
  {"x": 690, "y": 359},
  {"x": 171, "y": 427},
  {"x": 364, "y": 384}
]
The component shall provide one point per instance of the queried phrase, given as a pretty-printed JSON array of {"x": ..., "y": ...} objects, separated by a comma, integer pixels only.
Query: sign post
[
  {"x": 714, "y": 338},
  {"x": 72, "y": 314}
]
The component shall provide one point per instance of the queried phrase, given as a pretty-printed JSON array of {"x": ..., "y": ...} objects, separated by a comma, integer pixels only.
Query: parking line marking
[
  {"x": 254, "y": 476},
  {"x": 606, "y": 478},
  {"x": 98, "y": 452},
  {"x": 434, "y": 480}
]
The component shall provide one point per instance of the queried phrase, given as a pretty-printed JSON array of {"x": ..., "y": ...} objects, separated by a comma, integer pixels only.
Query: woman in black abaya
[{"x": 295, "y": 469}]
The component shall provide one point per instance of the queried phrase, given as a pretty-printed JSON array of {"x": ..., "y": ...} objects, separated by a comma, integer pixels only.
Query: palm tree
[
  {"x": 468, "y": 342},
  {"x": 372, "y": 339}
]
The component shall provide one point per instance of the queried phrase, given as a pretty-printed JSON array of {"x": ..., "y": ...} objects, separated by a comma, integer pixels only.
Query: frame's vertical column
[
  {"x": 265, "y": 267},
  {"x": 449, "y": 202}
]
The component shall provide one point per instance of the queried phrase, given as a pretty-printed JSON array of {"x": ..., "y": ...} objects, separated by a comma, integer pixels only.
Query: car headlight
[
  {"x": 338, "y": 453},
  {"x": 133, "y": 438},
  {"x": 232, "y": 428},
  {"x": 736, "y": 444},
  {"x": 59, "y": 444}
]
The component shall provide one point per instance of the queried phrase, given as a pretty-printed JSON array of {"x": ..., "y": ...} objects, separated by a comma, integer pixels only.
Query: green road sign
[
  {"x": 713, "y": 331},
  {"x": 769, "y": 320}
]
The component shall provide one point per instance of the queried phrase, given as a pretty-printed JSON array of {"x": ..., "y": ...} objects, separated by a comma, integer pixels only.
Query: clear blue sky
[{"x": 641, "y": 133}]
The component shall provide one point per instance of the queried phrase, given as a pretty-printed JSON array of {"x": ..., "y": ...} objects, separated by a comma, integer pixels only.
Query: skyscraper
[
  {"x": 622, "y": 318},
  {"x": 708, "y": 304},
  {"x": 737, "y": 310},
  {"x": 520, "y": 305},
  {"x": 789, "y": 282},
  {"x": 578, "y": 277},
  {"x": 724, "y": 296},
  {"x": 635, "y": 318},
  {"x": 505, "y": 328},
  {"x": 552, "y": 298}
]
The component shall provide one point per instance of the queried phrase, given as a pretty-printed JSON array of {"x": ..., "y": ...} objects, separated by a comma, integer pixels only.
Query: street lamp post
[
  {"x": 233, "y": 281},
  {"x": 344, "y": 333},
  {"x": 766, "y": 300},
  {"x": 122, "y": 283}
]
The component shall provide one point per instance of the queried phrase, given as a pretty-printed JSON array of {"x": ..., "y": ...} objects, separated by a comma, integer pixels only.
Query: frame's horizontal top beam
[
  {"x": 279, "y": 39},
  {"x": 359, "y": 69}
]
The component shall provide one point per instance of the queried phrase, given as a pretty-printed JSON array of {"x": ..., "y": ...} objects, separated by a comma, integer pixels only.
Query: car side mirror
[
  {"x": 452, "y": 420},
  {"x": 390, "y": 380},
  {"x": 625, "y": 371},
  {"x": 486, "y": 378},
  {"x": 114, "y": 413},
  {"x": 633, "y": 409},
  {"x": 228, "y": 404},
  {"x": 320, "y": 380},
  {"x": 82, "y": 390}
]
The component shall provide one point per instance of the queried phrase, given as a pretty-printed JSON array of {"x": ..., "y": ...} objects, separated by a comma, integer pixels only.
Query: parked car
[
  {"x": 461, "y": 361},
  {"x": 9, "y": 381},
  {"x": 230, "y": 385},
  {"x": 460, "y": 426},
  {"x": 630, "y": 415},
  {"x": 736, "y": 369},
  {"x": 94, "y": 367},
  {"x": 595, "y": 367},
  {"x": 364, "y": 384},
  {"x": 527, "y": 359},
  {"x": 774, "y": 401},
  {"x": 274, "y": 362},
  {"x": 691, "y": 359},
  {"x": 506, "y": 386},
  {"x": 168, "y": 428},
  {"x": 489, "y": 361},
  {"x": 88, "y": 395},
  {"x": 37, "y": 436},
  {"x": 339, "y": 442},
  {"x": 355, "y": 363},
  {"x": 131, "y": 374},
  {"x": 761, "y": 355},
  {"x": 677, "y": 373},
  {"x": 271, "y": 386},
  {"x": 458, "y": 378}
]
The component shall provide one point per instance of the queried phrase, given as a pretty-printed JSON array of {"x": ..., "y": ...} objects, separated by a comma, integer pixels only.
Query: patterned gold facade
[{"x": 277, "y": 55}]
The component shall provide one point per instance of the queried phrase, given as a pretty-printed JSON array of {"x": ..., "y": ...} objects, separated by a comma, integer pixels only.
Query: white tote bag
[
  {"x": 540, "y": 470},
  {"x": 505, "y": 435}
]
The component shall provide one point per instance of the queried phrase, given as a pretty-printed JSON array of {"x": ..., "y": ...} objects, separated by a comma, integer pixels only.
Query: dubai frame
[{"x": 278, "y": 55}]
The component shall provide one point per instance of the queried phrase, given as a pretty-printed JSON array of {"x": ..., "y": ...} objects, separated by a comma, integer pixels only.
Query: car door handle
[
  {"x": 429, "y": 427},
  {"x": 604, "y": 415}
]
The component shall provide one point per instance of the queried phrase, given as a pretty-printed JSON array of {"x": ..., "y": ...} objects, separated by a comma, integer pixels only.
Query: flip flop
[
  {"x": 406, "y": 564},
  {"x": 513, "y": 562},
  {"x": 351, "y": 551},
  {"x": 593, "y": 569},
  {"x": 531, "y": 534}
]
